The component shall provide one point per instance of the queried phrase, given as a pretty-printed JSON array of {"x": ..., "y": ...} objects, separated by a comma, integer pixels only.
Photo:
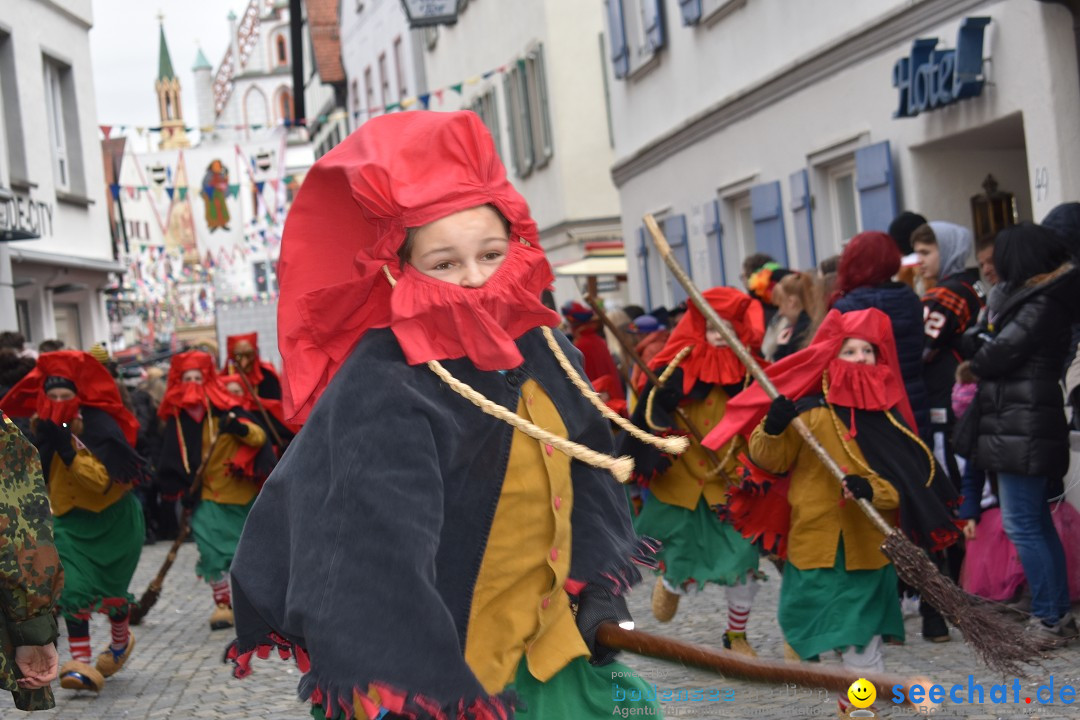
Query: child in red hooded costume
[
  {"x": 261, "y": 386},
  {"x": 419, "y": 545},
  {"x": 839, "y": 589},
  {"x": 685, "y": 493},
  {"x": 206, "y": 423},
  {"x": 86, "y": 438}
]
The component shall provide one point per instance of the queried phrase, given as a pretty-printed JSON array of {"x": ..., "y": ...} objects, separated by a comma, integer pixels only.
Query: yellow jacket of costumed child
[{"x": 819, "y": 514}]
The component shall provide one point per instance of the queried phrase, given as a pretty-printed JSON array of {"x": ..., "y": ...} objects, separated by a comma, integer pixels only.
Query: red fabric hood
[
  {"x": 705, "y": 362},
  {"x": 800, "y": 373},
  {"x": 216, "y": 393},
  {"x": 94, "y": 387}
]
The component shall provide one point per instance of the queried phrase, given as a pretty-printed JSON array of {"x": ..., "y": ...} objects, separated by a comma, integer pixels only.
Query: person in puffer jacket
[{"x": 1023, "y": 435}]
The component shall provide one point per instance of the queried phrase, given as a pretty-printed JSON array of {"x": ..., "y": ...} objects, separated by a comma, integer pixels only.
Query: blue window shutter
[
  {"x": 805, "y": 252},
  {"x": 767, "y": 212},
  {"x": 876, "y": 184},
  {"x": 691, "y": 11},
  {"x": 675, "y": 232},
  {"x": 620, "y": 51},
  {"x": 714, "y": 231},
  {"x": 643, "y": 265},
  {"x": 653, "y": 12}
]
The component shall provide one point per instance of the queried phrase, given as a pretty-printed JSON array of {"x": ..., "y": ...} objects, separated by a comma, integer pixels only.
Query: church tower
[{"x": 173, "y": 134}]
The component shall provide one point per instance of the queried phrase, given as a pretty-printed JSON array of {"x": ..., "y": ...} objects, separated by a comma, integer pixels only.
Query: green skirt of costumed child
[
  {"x": 217, "y": 528},
  {"x": 697, "y": 545},
  {"x": 580, "y": 691},
  {"x": 832, "y": 608},
  {"x": 99, "y": 551}
]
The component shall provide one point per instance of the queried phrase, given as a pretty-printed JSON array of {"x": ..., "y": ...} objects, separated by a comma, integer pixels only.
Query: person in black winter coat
[
  {"x": 864, "y": 280},
  {"x": 1023, "y": 436}
]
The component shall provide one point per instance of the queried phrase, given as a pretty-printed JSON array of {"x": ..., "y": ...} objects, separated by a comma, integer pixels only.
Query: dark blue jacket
[{"x": 904, "y": 309}]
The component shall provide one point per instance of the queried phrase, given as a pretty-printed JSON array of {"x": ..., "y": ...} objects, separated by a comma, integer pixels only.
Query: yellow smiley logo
[{"x": 862, "y": 693}]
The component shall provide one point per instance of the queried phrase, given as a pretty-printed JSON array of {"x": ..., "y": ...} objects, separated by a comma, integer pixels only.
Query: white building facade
[
  {"x": 52, "y": 185},
  {"x": 787, "y": 127}
]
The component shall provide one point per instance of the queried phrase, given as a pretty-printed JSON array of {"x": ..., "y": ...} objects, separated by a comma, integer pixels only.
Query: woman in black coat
[{"x": 1023, "y": 435}]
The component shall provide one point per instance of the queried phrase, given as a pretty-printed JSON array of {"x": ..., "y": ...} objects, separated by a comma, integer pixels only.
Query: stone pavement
[{"x": 176, "y": 670}]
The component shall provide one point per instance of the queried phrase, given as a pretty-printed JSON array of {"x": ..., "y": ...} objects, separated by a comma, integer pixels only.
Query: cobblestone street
[{"x": 176, "y": 670}]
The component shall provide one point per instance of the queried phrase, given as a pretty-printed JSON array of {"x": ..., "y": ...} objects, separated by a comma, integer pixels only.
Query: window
[
  {"x": 742, "y": 220},
  {"x": 384, "y": 80},
  {"x": 54, "y": 111},
  {"x": 637, "y": 34},
  {"x": 529, "y": 114},
  {"x": 68, "y": 327},
  {"x": 285, "y": 105},
  {"x": 369, "y": 91},
  {"x": 12, "y": 147},
  {"x": 263, "y": 281},
  {"x": 281, "y": 50},
  {"x": 487, "y": 108},
  {"x": 844, "y": 202},
  {"x": 399, "y": 69}
]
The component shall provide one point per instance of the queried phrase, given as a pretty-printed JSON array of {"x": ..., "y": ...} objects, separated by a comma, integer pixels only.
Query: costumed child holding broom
[
  {"x": 204, "y": 423},
  {"x": 86, "y": 439},
  {"x": 839, "y": 589},
  {"x": 420, "y": 545},
  {"x": 684, "y": 493}
]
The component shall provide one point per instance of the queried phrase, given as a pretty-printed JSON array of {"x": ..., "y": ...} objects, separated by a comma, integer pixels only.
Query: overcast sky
[{"x": 124, "y": 52}]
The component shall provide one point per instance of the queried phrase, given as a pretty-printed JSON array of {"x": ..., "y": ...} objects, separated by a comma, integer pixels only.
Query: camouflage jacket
[{"x": 30, "y": 573}]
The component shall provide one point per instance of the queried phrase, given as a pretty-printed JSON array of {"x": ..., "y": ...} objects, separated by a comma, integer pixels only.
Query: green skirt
[
  {"x": 579, "y": 690},
  {"x": 697, "y": 545},
  {"x": 99, "y": 551},
  {"x": 833, "y": 608},
  {"x": 217, "y": 528}
]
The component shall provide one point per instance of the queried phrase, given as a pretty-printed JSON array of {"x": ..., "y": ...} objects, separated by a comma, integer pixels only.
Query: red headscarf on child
[
  {"x": 179, "y": 394},
  {"x": 878, "y": 387},
  {"x": 259, "y": 366},
  {"x": 705, "y": 362},
  {"x": 94, "y": 386},
  {"x": 400, "y": 171}
]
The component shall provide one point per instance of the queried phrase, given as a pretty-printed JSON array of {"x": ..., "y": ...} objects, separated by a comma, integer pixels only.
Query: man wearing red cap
[{"x": 86, "y": 439}]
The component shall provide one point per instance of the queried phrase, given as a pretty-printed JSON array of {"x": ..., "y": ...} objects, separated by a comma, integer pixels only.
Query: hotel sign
[{"x": 931, "y": 78}]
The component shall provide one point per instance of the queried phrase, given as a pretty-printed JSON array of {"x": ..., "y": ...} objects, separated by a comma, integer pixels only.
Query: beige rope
[
  {"x": 619, "y": 467},
  {"x": 674, "y": 445},
  {"x": 664, "y": 376}
]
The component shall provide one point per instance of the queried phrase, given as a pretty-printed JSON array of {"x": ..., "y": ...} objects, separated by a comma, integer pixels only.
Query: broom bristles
[{"x": 1003, "y": 645}]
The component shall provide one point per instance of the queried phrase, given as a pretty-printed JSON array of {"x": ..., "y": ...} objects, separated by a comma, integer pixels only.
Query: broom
[
  {"x": 1002, "y": 645},
  {"x": 153, "y": 591},
  {"x": 728, "y": 664}
]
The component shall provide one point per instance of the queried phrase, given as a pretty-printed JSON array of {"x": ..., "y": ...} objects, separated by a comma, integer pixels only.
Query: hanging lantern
[{"x": 992, "y": 210}]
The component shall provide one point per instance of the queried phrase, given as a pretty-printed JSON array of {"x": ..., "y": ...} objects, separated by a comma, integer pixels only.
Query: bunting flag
[
  {"x": 115, "y": 190},
  {"x": 169, "y": 191},
  {"x": 456, "y": 87},
  {"x": 234, "y": 190},
  {"x": 106, "y": 130},
  {"x": 183, "y": 192},
  {"x": 425, "y": 100}
]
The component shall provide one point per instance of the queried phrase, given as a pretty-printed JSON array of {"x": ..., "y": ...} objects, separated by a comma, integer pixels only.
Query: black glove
[
  {"x": 596, "y": 606},
  {"x": 667, "y": 397},
  {"x": 57, "y": 437},
  {"x": 781, "y": 412},
  {"x": 859, "y": 486},
  {"x": 232, "y": 425}
]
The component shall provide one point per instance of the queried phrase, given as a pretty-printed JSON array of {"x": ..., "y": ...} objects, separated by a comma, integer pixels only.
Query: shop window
[
  {"x": 844, "y": 201},
  {"x": 487, "y": 108},
  {"x": 399, "y": 68}
]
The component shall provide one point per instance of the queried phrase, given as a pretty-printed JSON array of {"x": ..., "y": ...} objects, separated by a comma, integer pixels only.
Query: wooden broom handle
[{"x": 718, "y": 324}]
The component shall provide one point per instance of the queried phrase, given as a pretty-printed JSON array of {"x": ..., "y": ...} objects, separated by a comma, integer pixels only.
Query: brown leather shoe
[
  {"x": 664, "y": 602},
  {"x": 75, "y": 675},
  {"x": 221, "y": 618},
  {"x": 109, "y": 663}
]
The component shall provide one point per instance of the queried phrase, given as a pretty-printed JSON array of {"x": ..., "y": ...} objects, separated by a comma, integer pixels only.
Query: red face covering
[
  {"x": 866, "y": 387},
  {"x": 58, "y": 412},
  {"x": 401, "y": 171}
]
